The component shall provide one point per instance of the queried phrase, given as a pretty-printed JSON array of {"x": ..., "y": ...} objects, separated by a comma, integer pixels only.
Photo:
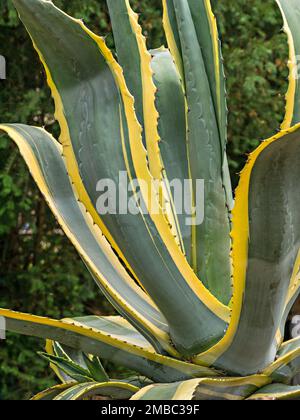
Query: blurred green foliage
[
  {"x": 39, "y": 270},
  {"x": 255, "y": 54}
]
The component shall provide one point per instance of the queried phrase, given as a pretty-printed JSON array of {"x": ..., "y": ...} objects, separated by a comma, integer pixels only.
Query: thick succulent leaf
[
  {"x": 212, "y": 237},
  {"x": 266, "y": 241},
  {"x": 71, "y": 369},
  {"x": 43, "y": 156},
  {"x": 290, "y": 10},
  {"x": 172, "y": 35},
  {"x": 172, "y": 129},
  {"x": 208, "y": 38},
  {"x": 130, "y": 51},
  {"x": 277, "y": 392},
  {"x": 117, "y": 327},
  {"x": 50, "y": 393},
  {"x": 114, "y": 390},
  {"x": 204, "y": 389},
  {"x": 135, "y": 61},
  {"x": 291, "y": 297},
  {"x": 106, "y": 345},
  {"x": 206, "y": 29},
  {"x": 287, "y": 364},
  {"x": 205, "y": 25},
  {"x": 97, "y": 111}
]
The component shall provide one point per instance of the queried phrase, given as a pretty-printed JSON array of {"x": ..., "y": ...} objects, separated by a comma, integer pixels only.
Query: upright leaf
[
  {"x": 135, "y": 60},
  {"x": 208, "y": 38},
  {"x": 173, "y": 133},
  {"x": 266, "y": 238},
  {"x": 212, "y": 237},
  {"x": 290, "y": 10},
  {"x": 172, "y": 35}
]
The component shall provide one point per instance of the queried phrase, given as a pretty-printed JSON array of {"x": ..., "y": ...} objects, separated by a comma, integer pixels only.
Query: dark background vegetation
[{"x": 39, "y": 270}]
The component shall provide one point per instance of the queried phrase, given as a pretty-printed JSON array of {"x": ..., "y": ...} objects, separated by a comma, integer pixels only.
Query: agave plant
[{"x": 203, "y": 306}]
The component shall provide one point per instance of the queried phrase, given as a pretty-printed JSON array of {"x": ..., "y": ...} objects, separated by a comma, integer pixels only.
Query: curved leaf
[
  {"x": 208, "y": 38},
  {"x": 100, "y": 342},
  {"x": 116, "y": 326},
  {"x": 112, "y": 389},
  {"x": 287, "y": 364},
  {"x": 135, "y": 61},
  {"x": 50, "y": 393},
  {"x": 172, "y": 35},
  {"x": 88, "y": 86},
  {"x": 277, "y": 392},
  {"x": 206, "y": 29},
  {"x": 212, "y": 240},
  {"x": 291, "y": 297},
  {"x": 207, "y": 34},
  {"x": 266, "y": 241},
  {"x": 43, "y": 157},
  {"x": 173, "y": 133},
  {"x": 290, "y": 10},
  {"x": 204, "y": 389}
]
